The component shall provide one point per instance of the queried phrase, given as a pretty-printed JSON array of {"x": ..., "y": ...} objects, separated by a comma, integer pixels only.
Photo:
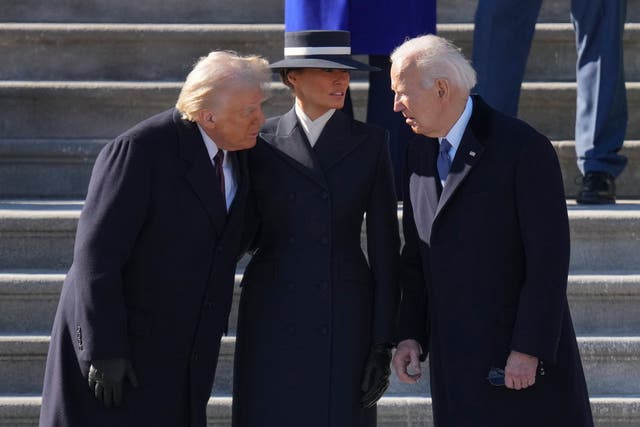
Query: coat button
[
  {"x": 291, "y": 329},
  {"x": 292, "y": 239},
  {"x": 324, "y": 195},
  {"x": 291, "y": 196},
  {"x": 324, "y": 240},
  {"x": 324, "y": 330},
  {"x": 291, "y": 286}
]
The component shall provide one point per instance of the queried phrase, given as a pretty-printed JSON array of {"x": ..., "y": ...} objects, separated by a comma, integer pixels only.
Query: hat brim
[{"x": 325, "y": 62}]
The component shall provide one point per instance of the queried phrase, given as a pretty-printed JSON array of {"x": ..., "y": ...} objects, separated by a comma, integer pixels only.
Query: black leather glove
[
  {"x": 376, "y": 375},
  {"x": 106, "y": 380}
]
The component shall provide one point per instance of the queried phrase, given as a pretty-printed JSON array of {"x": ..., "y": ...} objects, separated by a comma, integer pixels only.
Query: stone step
[
  {"x": 61, "y": 168},
  {"x": 223, "y": 11},
  {"x": 166, "y": 52},
  {"x": 617, "y": 411},
  {"x": 47, "y": 168},
  {"x": 611, "y": 366},
  {"x": 95, "y": 110},
  {"x": 40, "y": 234},
  {"x": 600, "y": 304},
  {"x": 160, "y": 11}
]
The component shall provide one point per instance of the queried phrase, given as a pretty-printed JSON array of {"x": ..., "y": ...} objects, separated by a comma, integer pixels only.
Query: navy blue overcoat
[
  {"x": 151, "y": 280},
  {"x": 311, "y": 305},
  {"x": 377, "y": 26},
  {"x": 484, "y": 272}
]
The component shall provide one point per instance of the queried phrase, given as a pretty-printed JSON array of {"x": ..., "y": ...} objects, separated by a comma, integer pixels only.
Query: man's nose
[{"x": 397, "y": 105}]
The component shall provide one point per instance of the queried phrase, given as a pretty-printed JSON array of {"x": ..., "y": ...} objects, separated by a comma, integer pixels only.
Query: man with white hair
[
  {"x": 137, "y": 332},
  {"x": 486, "y": 255}
]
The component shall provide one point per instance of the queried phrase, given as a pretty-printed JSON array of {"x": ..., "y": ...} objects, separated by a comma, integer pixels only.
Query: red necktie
[{"x": 218, "y": 160}]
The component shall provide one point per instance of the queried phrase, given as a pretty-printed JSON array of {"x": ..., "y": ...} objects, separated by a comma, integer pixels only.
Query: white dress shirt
[
  {"x": 313, "y": 128},
  {"x": 230, "y": 184}
]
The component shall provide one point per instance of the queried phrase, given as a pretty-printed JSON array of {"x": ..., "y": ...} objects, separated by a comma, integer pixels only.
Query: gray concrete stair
[
  {"x": 611, "y": 365},
  {"x": 61, "y": 168},
  {"x": 618, "y": 411},
  {"x": 601, "y": 305},
  {"x": 144, "y": 11},
  {"x": 224, "y": 11},
  {"x": 166, "y": 52},
  {"x": 94, "y": 110},
  {"x": 41, "y": 233}
]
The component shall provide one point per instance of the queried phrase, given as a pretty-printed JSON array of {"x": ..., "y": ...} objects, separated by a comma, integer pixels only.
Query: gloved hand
[
  {"x": 106, "y": 380},
  {"x": 376, "y": 375}
]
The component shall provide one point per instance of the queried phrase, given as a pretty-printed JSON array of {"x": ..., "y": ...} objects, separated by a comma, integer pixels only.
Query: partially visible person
[
  {"x": 502, "y": 39},
  {"x": 136, "y": 336},
  {"x": 376, "y": 26},
  {"x": 316, "y": 318},
  {"x": 486, "y": 257}
]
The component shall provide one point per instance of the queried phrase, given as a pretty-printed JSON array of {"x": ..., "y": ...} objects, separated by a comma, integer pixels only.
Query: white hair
[
  {"x": 213, "y": 74},
  {"x": 436, "y": 58}
]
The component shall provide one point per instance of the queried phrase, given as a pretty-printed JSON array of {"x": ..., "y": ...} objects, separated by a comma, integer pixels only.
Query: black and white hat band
[{"x": 319, "y": 49}]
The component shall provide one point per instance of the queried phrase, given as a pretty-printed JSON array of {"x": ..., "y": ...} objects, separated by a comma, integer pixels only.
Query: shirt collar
[
  {"x": 313, "y": 128},
  {"x": 212, "y": 148},
  {"x": 457, "y": 131}
]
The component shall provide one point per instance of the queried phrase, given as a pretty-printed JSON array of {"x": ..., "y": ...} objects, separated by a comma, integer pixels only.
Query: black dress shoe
[{"x": 598, "y": 188}]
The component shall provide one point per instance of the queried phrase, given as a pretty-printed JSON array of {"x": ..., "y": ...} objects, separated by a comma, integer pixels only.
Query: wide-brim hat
[{"x": 319, "y": 49}]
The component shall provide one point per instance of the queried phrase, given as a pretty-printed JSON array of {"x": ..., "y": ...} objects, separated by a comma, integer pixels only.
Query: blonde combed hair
[
  {"x": 436, "y": 58},
  {"x": 213, "y": 74}
]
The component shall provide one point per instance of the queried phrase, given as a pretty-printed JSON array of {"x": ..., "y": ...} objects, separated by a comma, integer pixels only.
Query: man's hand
[
  {"x": 375, "y": 380},
  {"x": 520, "y": 371},
  {"x": 406, "y": 361},
  {"x": 106, "y": 380}
]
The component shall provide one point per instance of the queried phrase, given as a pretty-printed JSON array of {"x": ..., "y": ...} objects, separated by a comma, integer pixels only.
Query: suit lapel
[
  {"x": 200, "y": 172},
  {"x": 291, "y": 143},
  {"x": 336, "y": 140}
]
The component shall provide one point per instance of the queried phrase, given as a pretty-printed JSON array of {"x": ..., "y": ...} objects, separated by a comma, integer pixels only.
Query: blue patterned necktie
[{"x": 444, "y": 161}]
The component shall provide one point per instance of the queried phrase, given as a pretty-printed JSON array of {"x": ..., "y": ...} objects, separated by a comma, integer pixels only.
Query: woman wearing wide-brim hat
[{"x": 316, "y": 319}]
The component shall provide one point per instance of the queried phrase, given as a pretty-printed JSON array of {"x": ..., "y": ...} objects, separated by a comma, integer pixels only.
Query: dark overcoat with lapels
[
  {"x": 311, "y": 305},
  {"x": 484, "y": 272},
  {"x": 151, "y": 280}
]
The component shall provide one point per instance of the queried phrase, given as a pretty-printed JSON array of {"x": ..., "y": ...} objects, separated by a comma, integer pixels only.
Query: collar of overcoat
[
  {"x": 201, "y": 174},
  {"x": 335, "y": 142}
]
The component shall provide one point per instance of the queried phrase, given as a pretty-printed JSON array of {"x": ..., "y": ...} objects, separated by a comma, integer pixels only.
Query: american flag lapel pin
[{"x": 472, "y": 153}]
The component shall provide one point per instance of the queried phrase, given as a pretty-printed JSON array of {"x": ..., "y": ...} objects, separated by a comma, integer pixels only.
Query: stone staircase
[{"x": 75, "y": 74}]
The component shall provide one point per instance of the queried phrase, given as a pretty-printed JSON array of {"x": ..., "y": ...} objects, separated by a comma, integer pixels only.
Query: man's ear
[
  {"x": 442, "y": 86},
  {"x": 206, "y": 117}
]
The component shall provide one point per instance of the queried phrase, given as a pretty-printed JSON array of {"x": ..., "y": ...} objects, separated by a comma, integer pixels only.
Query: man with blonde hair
[
  {"x": 136, "y": 336},
  {"x": 486, "y": 255}
]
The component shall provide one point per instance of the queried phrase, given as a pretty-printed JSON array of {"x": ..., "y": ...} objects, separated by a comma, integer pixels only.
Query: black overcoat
[
  {"x": 151, "y": 280},
  {"x": 311, "y": 306},
  {"x": 484, "y": 271}
]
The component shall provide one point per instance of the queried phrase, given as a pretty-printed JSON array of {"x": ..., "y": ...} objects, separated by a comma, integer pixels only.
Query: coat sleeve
[
  {"x": 113, "y": 214},
  {"x": 544, "y": 227},
  {"x": 383, "y": 246},
  {"x": 413, "y": 312}
]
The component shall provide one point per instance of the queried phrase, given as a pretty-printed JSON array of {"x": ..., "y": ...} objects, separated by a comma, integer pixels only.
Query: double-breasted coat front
[
  {"x": 311, "y": 305},
  {"x": 484, "y": 272},
  {"x": 151, "y": 280}
]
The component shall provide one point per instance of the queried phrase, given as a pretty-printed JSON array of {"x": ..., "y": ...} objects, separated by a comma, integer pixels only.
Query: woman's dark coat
[{"x": 311, "y": 306}]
